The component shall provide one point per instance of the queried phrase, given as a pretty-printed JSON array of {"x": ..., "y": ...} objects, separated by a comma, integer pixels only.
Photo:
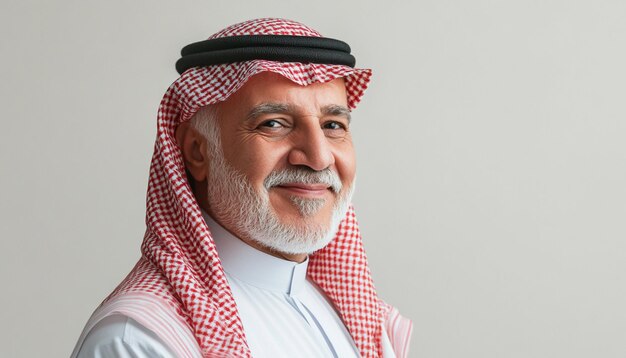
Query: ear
[{"x": 194, "y": 150}]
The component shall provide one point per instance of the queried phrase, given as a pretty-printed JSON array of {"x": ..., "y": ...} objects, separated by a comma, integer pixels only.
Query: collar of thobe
[{"x": 255, "y": 267}]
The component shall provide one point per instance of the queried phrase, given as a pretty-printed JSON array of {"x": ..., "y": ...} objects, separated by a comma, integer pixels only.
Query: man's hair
[{"x": 205, "y": 122}]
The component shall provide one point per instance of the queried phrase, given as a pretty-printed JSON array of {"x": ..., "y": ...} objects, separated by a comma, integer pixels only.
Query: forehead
[{"x": 268, "y": 87}]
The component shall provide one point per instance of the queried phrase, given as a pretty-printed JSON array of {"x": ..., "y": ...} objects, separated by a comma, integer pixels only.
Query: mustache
[{"x": 304, "y": 175}]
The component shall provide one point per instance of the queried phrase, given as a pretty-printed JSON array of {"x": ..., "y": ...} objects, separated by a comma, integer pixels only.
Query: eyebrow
[
  {"x": 338, "y": 111},
  {"x": 268, "y": 108}
]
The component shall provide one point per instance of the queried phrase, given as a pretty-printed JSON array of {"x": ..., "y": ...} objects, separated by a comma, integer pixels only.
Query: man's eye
[
  {"x": 334, "y": 125},
  {"x": 271, "y": 124}
]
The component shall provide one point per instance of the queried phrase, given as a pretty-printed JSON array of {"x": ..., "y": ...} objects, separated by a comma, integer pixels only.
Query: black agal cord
[{"x": 265, "y": 47}]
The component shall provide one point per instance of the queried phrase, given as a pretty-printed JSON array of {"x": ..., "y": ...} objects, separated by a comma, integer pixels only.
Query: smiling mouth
[{"x": 306, "y": 190}]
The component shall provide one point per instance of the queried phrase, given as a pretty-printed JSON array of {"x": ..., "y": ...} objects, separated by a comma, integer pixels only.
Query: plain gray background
[{"x": 491, "y": 145}]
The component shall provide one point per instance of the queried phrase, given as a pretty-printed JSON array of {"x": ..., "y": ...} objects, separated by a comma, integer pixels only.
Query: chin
[
  {"x": 292, "y": 233},
  {"x": 315, "y": 241},
  {"x": 296, "y": 216}
]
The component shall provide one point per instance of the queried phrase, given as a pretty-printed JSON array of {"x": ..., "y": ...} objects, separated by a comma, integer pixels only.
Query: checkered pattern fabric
[{"x": 180, "y": 263}]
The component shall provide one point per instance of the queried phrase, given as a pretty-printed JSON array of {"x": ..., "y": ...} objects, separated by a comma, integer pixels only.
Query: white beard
[{"x": 235, "y": 204}]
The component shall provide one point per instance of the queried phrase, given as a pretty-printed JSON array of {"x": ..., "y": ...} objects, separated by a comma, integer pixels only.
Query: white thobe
[{"x": 284, "y": 314}]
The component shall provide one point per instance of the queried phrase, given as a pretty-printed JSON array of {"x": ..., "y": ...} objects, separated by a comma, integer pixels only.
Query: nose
[{"x": 312, "y": 148}]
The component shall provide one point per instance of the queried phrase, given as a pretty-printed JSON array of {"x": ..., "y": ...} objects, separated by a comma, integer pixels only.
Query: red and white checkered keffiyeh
[{"x": 180, "y": 267}]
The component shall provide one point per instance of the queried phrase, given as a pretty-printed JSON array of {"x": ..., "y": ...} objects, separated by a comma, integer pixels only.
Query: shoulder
[
  {"x": 397, "y": 331},
  {"x": 137, "y": 324},
  {"x": 121, "y": 336}
]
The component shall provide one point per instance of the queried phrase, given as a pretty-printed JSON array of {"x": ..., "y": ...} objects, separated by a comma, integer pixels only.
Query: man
[{"x": 252, "y": 248}]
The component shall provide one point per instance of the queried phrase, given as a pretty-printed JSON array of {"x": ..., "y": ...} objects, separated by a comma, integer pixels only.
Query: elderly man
[{"x": 252, "y": 248}]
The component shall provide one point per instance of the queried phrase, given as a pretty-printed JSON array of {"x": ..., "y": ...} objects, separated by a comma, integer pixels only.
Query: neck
[{"x": 299, "y": 258}]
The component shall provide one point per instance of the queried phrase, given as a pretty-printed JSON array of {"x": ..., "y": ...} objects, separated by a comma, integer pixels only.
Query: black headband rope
[{"x": 265, "y": 47}]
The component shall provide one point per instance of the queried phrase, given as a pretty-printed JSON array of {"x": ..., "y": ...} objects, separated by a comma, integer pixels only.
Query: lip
[{"x": 309, "y": 190}]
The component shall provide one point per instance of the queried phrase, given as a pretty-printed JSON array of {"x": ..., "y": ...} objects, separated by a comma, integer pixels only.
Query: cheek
[
  {"x": 257, "y": 160},
  {"x": 345, "y": 161}
]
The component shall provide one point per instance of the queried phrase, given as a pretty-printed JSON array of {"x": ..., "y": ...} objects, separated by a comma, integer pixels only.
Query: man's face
[{"x": 291, "y": 145}]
